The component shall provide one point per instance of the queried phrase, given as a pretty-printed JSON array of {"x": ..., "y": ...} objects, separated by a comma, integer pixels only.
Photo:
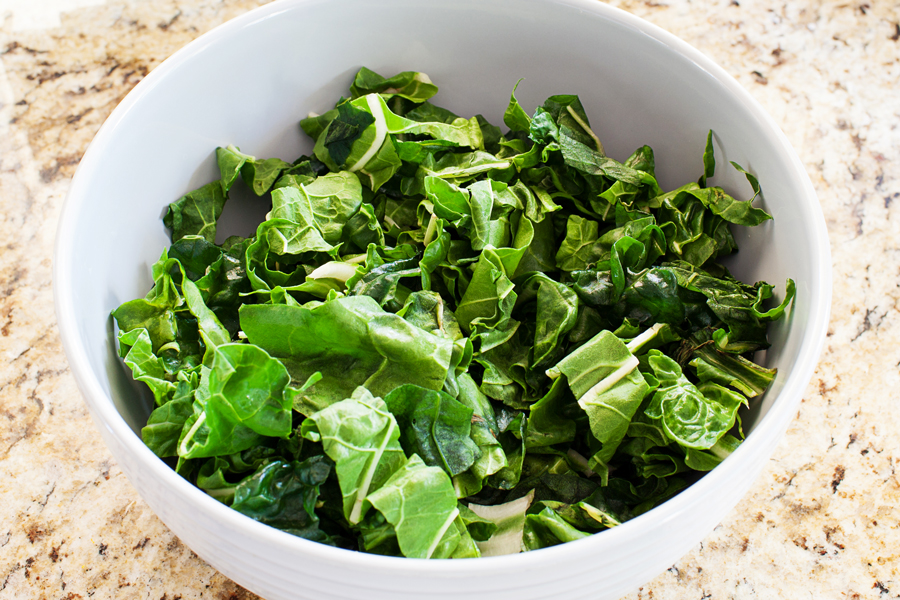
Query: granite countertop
[{"x": 823, "y": 519}]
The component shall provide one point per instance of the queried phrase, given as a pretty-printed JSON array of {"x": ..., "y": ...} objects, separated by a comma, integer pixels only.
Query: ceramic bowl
[{"x": 249, "y": 82}]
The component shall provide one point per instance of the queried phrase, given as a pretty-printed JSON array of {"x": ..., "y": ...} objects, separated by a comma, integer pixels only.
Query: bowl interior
[{"x": 251, "y": 81}]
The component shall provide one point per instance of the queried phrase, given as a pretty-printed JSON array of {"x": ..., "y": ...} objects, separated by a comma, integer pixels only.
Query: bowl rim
[{"x": 107, "y": 417}]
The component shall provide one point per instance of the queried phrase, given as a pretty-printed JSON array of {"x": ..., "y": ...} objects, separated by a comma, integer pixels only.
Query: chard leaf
[
  {"x": 314, "y": 124},
  {"x": 166, "y": 423},
  {"x": 550, "y": 478},
  {"x": 211, "y": 329},
  {"x": 283, "y": 495},
  {"x": 426, "y": 112},
  {"x": 426, "y": 310},
  {"x": 420, "y": 503},
  {"x": 484, "y": 431},
  {"x": 547, "y": 425},
  {"x": 383, "y": 283},
  {"x": 417, "y": 151},
  {"x": 731, "y": 369},
  {"x": 277, "y": 238},
  {"x": 709, "y": 160},
  {"x": 509, "y": 519},
  {"x": 694, "y": 417},
  {"x": 480, "y": 528},
  {"x": 212, "y": 479},
  {"x": 505, "y": 371},
  {"x": 591, "y": 514},
  {"x": 542, "y": 128},
  {"x": 436, "y": 250},
  {"x": 643, "y": 230},
  {"x": 736, "y": 304},
  {"x": 230, "y": 160},
  {"x": 348, "y": 125},
  {"x": 604, "y": 377},
  {"x": 328, "y": 203},
  {"x": 686, "y": 222},
  {"x": 195, "y": 255},
  {"x": 490, "y": 297},
  {"x": 137, "y": 351},
  {"x": 515, "y": 118},
  {"x": 740, "y": 212},
  {"x": 707, "y": 460},
  {"x": 512, "y": 440},
  {"x": 538, "y": 204},
  {"x": 457, "y": 168},
  {"x": 490, "y": 224},
  {"x": 364, "y": 228},
  {"x": 577, "y": 251},
  {"x": 357, "y": 138},
  {"x": 591, "y": 162},
  {"x": 352, "y": 342},
  {"x": 547, "y": 528},
  {"x": 411, "y": 85},
  {"x": 650, "y": 460},
  {"x": 751, "y": 179},
  {"x": 363, "y": 440},
  {"x": 721, "y": 204},
  {"x": 240, "y": 398},
  {"x": 435, "y": 426},
  {"x": 377, "y": 535},
  {"x": 556, "y": 308},
  {"x": 196, "y": 212},
  {"x": 490, "y": 134},
  {"x": 463, "y": 132},
  {"x": 569, "y": 116},
  {"x": 653, "y": 295},
  {"x": 219, "y": 476},
  {"x": 261, "y": 175},
  {"x": 592, "y": 362}
]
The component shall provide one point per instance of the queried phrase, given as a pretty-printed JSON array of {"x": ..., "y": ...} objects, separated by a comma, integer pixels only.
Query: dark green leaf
[
  {"x": 408, "y": 84},
  {"x": 196, "y": 213},
  {"x": 261, "y": 175},
  {"x": 547, "y": 528},
  {"x": 165, "y": 424},
  {"x": 284, "y": 495},
  {"x": 709, "y": 160},
  {"x": 515, "y": 118},
  {"x": 346, "y": 128},
  {"x": 435, "y": 426}
]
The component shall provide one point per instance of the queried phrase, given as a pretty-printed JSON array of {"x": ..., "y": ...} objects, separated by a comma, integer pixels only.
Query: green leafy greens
[{"x": 445, "y": 341}]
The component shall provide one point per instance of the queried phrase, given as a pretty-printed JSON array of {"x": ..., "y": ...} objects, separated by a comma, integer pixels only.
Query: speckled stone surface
[{"x": 822, "y": 521}]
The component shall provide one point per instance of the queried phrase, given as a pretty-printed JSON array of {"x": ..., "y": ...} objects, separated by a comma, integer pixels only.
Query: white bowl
[{"x": 248, "y": 83}]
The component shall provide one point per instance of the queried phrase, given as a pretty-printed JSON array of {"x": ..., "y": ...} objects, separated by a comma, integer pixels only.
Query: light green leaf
[
  {"x": 352, "y": 342},
  {"x": 694, "y": 417},
  {"x": 363, "y": 440},
  {"x": 420, "y": 503}
]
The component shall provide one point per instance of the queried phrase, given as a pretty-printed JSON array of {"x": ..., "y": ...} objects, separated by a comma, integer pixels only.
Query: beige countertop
[{"x": 823, "y": 519}]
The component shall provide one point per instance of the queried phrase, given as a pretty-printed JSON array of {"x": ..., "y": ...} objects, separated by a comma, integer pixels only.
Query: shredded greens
[{"x": 446, "y": 341}]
